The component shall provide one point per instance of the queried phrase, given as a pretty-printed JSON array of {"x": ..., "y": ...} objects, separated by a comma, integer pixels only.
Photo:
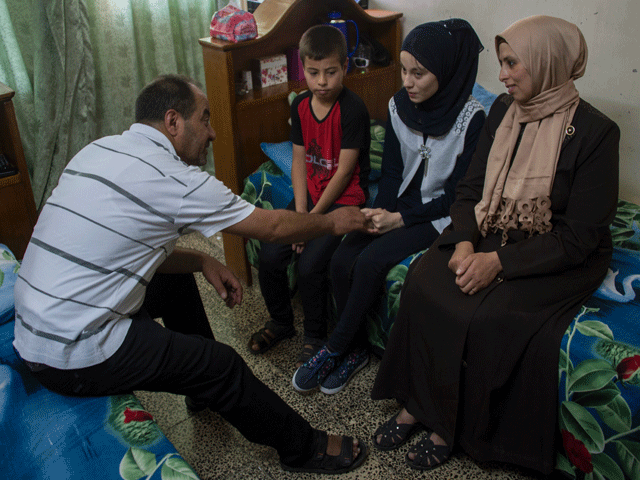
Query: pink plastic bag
[{"x": 233, "y": 25}]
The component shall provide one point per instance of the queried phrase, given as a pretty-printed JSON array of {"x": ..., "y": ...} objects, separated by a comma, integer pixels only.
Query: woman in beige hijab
[{"x": 473, "y": 354}]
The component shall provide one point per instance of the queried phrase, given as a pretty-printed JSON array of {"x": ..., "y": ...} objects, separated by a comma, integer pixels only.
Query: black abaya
[{"x": 482, "y": 370}]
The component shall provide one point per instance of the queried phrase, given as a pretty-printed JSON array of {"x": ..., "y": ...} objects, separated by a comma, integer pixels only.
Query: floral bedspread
[
  {"x": 599, "y": 368},
  {"x": 49, "y": 436}
]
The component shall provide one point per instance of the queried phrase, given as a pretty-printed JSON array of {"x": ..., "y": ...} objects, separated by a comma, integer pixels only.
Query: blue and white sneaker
[
  {"x": 314, "y": 370},
  {"x": 338, "y": 379}
]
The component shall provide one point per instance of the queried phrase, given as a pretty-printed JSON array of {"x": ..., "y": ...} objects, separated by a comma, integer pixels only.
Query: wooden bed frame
[{"x": 242, "y": 122}]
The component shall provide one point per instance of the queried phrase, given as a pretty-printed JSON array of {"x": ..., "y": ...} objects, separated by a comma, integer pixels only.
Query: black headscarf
[{"x": 449, "y": 49}]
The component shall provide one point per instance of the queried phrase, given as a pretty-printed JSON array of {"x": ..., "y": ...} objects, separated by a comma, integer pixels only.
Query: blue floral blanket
[
  {"x": 599, "y": 368},
  {"x": 44, "y": 435}
]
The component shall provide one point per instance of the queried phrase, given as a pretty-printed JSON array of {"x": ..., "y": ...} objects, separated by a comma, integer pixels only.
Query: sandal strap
[
  {"x": 259, "y": 336},
  {"x": 262, "y": 338},
  {"x": 336, "y": 462},
  {"x": 345, "y": 458},
  {"x": 310, "y": 347},
  {"x": 428, "y": 454},
  {"x": 394, "y": 434},
  {"x": 276, "y": 329},
  {"x": 305, "y": 354},
  {"x": 322, "y": 461},
  {"x": 321, "y": 446}
]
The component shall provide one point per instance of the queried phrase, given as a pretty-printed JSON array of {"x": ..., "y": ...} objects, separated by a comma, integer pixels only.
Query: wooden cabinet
[
  {"x": 17, "y": 206},
  {"x": 242, "y": 122}
]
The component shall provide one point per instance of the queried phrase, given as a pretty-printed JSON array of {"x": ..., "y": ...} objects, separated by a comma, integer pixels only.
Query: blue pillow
[
  {"x": 484, "y": 96},
  {"x": 8, "y": 275},
  {"x": 281, "y": 154}
]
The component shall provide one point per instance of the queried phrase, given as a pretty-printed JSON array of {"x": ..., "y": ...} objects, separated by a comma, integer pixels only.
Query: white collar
[{"x": 155, "y": 135}]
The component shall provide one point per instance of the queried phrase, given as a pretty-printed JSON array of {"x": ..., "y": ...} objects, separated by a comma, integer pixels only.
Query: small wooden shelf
[
  {"x": 242, "y": 122},
  {"x": 277, "y": 92},
  {"x": 11, "y": 180}
]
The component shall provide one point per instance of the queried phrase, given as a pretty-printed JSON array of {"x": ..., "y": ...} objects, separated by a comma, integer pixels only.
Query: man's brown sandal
[
  {"x": 267, "y": 340},
  {"x": 320, "y": 462}
]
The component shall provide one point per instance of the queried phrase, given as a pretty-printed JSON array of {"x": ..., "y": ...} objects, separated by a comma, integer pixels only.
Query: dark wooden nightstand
[{"x": 17, "y": 207}]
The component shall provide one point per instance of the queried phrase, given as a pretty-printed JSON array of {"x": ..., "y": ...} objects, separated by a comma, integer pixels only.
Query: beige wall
[{"x": 612, "y": 31}]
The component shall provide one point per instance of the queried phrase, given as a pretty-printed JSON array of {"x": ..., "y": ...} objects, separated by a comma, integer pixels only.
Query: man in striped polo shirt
[{"x": 102, "y": 263}]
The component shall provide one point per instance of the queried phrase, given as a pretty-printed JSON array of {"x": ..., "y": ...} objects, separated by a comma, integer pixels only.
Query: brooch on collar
[{"x": 425, "y": 152}]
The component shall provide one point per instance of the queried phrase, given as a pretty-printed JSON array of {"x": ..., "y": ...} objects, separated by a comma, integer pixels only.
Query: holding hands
[
  {"x": 348, "y": 219},
  {"x": 382, "y": 221}
]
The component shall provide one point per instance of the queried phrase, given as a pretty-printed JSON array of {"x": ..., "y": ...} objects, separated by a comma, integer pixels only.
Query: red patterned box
[{"x": 271, "y": 70}]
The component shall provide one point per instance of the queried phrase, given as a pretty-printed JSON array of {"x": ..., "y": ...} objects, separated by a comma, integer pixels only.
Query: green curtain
[
  {"x": 78, "y": 65},
  {"x": 47, "y": 60}
]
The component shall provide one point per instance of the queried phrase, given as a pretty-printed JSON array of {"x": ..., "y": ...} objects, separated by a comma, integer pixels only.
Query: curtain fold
[
  {"x": 52, "y": 74},
  {"x": 78, "y": 65}
]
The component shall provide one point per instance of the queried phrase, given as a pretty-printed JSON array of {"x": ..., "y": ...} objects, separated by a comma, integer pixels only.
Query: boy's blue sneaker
[
  {"x": 338, "y": 379},
  {"x": 313, "y": 371}
]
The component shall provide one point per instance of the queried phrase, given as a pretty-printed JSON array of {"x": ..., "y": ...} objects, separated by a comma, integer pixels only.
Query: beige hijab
[{"x": 516, "y": 194}]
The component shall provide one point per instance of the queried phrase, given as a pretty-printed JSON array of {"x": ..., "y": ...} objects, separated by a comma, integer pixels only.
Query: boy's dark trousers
[{"x": 313, "y": 280}]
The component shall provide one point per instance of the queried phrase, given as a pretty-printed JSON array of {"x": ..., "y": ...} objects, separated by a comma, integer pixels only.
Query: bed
[
  {"x": 50, "y": 436},
  {"x": 599, "y": 367}
]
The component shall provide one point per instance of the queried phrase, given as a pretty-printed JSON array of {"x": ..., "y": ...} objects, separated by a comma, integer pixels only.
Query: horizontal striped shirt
[{"x": 115, "y": 216}]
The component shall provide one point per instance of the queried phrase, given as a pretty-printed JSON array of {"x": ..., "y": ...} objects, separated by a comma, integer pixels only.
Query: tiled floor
[{"x": 217, "y": 451}]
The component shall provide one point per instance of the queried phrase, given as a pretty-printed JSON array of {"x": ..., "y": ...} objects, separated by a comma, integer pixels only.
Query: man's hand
[
  {"x": 348, "y": 219},
  {"x": 477, "y": 271},
  {"x": 382, "y": 220},
  {"x": 285, "y": 226},
  {"x": 298, "y": 247},
  {"x": 223, "y": 280}
]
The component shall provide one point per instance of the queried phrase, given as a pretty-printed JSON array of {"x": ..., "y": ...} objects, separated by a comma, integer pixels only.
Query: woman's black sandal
[
  {"x": 394, "y": 434},
  {"x": 329, "y": 464},
  {"x": 428, "y": 454},
  {"x": 267, "y": 341}
]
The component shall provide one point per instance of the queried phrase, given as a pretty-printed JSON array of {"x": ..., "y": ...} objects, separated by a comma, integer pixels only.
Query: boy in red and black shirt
[{"x": 331, "y": 137}]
